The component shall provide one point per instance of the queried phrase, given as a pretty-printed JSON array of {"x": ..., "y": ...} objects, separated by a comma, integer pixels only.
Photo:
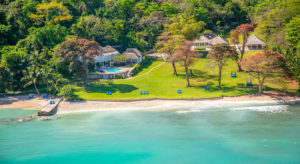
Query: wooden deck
[{"x": 49, "y": 109}]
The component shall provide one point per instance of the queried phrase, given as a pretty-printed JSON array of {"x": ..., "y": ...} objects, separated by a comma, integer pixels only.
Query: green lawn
[{"x": 162, "y": 84}]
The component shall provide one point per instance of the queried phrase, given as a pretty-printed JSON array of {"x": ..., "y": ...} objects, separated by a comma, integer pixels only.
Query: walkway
[{"x": 147, "y": 72}]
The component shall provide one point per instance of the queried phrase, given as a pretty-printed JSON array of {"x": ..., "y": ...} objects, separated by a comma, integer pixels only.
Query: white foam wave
[
  {"x": 188, "y": 111},
  {"x": 273, "y": 108}
]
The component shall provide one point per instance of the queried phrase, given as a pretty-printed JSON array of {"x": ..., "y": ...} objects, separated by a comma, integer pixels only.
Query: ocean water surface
[{"x": 261, "y": 133}]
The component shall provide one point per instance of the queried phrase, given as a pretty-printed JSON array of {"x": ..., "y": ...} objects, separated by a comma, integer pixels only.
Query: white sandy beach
[{"x": 88, "y": 106}]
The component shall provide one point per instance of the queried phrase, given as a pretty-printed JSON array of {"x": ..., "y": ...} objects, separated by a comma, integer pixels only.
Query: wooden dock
[{"x": 49, "y": 109}]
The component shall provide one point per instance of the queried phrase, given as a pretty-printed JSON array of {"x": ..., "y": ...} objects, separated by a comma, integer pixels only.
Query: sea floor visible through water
[{"x": 260, "y": 133}]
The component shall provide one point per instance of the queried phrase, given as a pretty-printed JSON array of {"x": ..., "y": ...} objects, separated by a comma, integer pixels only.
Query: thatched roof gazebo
[
  {"x": 255, "y": 43},
  {"x": 218, "y": 40}
]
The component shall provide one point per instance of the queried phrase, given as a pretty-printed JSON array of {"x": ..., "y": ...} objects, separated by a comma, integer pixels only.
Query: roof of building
[
  {"x": 108, "y": 50},
  {"x": 132, "y": 53},
  {"x": 218, "y": 40},
  {"x": 202, "y": 38},
  {"x": 253, "y": 39}
]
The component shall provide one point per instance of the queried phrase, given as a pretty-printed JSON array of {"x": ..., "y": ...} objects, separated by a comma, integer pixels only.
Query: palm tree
[
  {"x": 31, "y": 77},
  {"x": 46, "y": 73},
  {"x": 56, "y": 81}
]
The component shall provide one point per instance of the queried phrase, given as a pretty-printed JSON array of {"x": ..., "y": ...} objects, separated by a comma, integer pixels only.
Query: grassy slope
[{"x": 162, "y": 84}]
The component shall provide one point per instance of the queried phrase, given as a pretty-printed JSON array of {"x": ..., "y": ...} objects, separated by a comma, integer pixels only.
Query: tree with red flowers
[
  {"x": 78, "y": 53},
  {"x": 185, "y": 54},
  {"x": 264, "y": 65},
  {"x": 169, "y": 43},
  {"x": 243, "y": 29},
  {"x": 219, "y": 54}
]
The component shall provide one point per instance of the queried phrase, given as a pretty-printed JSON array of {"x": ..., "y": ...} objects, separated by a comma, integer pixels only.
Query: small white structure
[
  {"x": 105, "y": 56},
  {"x": 255, "y": 43},
  {"x": 202, "y": 41},
  {"x": 133, "y": 55},
  {"x": 206, "y": 41}
]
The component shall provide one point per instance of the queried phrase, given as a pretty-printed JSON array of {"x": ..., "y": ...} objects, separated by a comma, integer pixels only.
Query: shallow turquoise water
[
  {"x": 245, "y": 134},
  {"x": 114, "y": 70}
]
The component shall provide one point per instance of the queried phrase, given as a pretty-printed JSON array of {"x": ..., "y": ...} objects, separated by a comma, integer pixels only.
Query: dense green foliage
[
  {"x": 67, "y": 92},
  {"x": 32, "y": 30}
]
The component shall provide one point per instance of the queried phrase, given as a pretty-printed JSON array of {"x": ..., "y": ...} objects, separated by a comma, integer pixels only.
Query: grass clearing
[{"x": 161, "y": 83}]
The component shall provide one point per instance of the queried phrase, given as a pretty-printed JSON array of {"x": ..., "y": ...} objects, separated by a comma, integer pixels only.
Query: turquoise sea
[{"x": 261, "y": 133}]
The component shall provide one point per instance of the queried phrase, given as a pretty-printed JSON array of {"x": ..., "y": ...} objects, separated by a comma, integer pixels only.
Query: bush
[
  {"x": 67, "y": 92},
  {"x": 200, "y": 49},
  {"x": 132, "y": 64}
]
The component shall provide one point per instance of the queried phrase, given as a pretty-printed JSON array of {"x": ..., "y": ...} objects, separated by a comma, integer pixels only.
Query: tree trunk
[
  {"x": 260, "y": 88},
  {"x": 84, "y": 65},
  {"x": 242, "y": 51},
  {"x": 261, "y": 84},
  {"x": 220, "y": 75},
  {"x": 174, "y": 68},
  {"x": 36, "y": 89},
  {"x": 191, "y": 72},
  {"x": 239, "y": 67},
  {"x": 187, "y": 75}
]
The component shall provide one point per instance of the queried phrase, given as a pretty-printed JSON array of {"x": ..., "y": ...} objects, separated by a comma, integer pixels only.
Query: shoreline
[{"x": 155, "y": 104}]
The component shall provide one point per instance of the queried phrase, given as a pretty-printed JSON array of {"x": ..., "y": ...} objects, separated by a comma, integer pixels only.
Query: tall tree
[
  {"x": 220, "y": 54},
  {"x": 186, "y": 26},
  {"x": 78, "y": 53},
  {"x": 31, "y": 78},
  {"x": 292, "y": 53},
  {"x": 4, "y": 79},
  {"x": 15, "y": 61},
  {"x": 244, "y": 30},
  {"x": 169, "y": 44},
  {"x": 52, "y": 12},
  {"x": 185, "y": 54},
  {"x": 264, "y": 65}
]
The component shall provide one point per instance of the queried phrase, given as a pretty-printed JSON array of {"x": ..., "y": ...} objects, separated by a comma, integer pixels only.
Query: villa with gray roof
[
  {"x": 255, "y": 43},
  {"x": 105, "y": 56},
  {"x": 206, "y": 41},
  {"x": 133, "y": 55}
]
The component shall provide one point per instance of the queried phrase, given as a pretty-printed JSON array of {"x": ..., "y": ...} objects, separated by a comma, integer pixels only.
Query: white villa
[
  {"x": 105, "y": 56},
  {"x": 202, "y": 41},
  {"x": 133, "y": 55},
  {"x": 206, "y": 41},
  {"x": 255, "y": 43}
]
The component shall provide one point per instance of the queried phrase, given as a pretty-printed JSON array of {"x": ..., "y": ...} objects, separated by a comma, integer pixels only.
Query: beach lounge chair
[
  {"x": 147, "y": 92},
  {"x": 100, "y": 70},
  {"x": 179, "y": 91},
  {"x": 206, "y": 87},
  {"x": 233, "y": 75},
  {"x": 144, "y": 92},
  {"x": 141, "y": 93},
  {"x": 249, "y": 84}
]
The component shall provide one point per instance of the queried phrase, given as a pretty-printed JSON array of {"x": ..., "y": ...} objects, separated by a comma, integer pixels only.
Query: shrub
[
  {"x": 200, "y": 49},
  {"x": 137, "y": 66},
  {"x": 67, "y": 92}
]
